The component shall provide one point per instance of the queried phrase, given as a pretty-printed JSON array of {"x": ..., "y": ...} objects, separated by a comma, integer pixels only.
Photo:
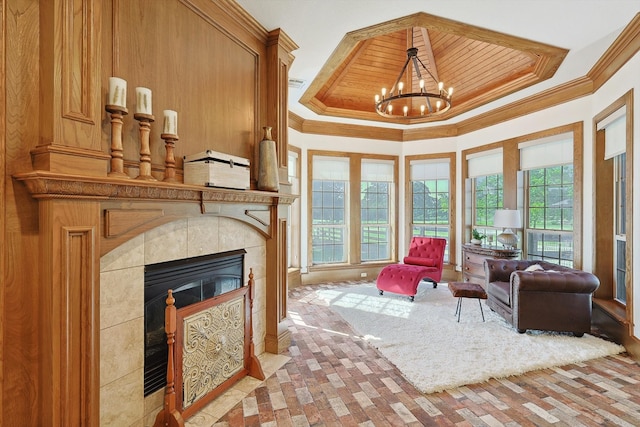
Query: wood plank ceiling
[{"x": 481, "y": 65}]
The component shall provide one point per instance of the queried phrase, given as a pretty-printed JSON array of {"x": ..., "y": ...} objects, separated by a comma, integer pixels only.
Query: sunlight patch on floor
[{"x": 385, "y": 305}]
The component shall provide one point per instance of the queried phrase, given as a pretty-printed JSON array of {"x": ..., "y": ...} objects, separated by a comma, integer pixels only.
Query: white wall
[{"x": 583, "y": 109}]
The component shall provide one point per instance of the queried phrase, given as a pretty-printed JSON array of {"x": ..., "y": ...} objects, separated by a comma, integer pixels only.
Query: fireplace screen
[
  {"x": 192, "y": 280},
  {"x": 213, "y": 348}
]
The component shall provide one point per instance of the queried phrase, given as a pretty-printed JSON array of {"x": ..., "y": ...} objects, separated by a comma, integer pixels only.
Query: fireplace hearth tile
[
  {"x": 203, "y": 236},
  {"x": 122, "y": 400},
  {"x": 129, "y": 254},
  {"x": 234, "y": 236},
  {"x": 121, "y": 296},
  {"x": 166, "y": 243},
  {"x": 122, "y": 350}
]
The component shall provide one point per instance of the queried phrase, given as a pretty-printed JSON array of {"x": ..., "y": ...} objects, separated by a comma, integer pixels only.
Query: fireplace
[
  {"x": 125, "y": 225},
  {"x": 192, "y": 280}
]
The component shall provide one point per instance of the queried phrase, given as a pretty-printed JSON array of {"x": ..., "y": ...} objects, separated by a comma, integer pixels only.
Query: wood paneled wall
[{"x": 205, "y": 59}]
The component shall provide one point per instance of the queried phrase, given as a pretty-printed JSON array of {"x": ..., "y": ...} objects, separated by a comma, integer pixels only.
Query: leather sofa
[{"x": 550, "y": 298}]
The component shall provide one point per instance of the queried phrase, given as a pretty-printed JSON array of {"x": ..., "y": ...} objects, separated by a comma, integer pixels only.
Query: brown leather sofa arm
[{"x": 576, "y": 281}]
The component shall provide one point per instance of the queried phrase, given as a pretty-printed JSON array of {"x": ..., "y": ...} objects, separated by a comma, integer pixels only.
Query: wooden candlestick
[
  {"x": 145, "y": 152},
  {"x": 117, "y": 158},
  {"x": 170, "y": 161}
]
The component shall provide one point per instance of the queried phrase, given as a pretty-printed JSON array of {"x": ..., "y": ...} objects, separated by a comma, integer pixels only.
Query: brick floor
[{"x": 335, "y": 378}]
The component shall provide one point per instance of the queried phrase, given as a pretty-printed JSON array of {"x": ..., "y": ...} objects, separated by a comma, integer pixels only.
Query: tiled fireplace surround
[{"x": 122, "y": 400}]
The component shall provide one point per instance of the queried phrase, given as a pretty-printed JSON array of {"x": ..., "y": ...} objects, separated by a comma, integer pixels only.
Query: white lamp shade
[{"x": 507, "y": 218}]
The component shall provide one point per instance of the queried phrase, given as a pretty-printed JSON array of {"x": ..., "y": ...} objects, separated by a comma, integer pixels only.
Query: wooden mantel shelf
[
  {"x": 131, "y": 206},
  {"x": 43, "y": 184}
]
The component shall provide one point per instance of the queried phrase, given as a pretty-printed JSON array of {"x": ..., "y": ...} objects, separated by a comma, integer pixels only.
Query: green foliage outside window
[
  {"x": 551, "y": 198},
  {"x": 328, "y": 229},
  {"x": 430, "y": 210},
  {"x": 375, "y": 217},
  {"x": 488, "y": 198},
  {"x": 431, "y": 201}
]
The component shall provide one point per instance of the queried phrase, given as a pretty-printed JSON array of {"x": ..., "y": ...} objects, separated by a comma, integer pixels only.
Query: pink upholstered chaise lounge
[{"x": 424, "y": 261}]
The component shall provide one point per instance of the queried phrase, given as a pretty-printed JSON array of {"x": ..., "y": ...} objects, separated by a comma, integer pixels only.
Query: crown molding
[{"x": 625, "y": 46}]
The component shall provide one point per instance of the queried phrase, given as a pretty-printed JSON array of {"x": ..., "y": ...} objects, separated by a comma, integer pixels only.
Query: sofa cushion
[
  {"x": 414, "y": 260},
  {"x": 500, "y": 291},
  {"x": 534, "y": 267}
]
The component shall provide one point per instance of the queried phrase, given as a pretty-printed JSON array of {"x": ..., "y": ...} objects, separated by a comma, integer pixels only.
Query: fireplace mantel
[
  {"x": 44, "y": 184},
  {"x": 132, "y": 206}
]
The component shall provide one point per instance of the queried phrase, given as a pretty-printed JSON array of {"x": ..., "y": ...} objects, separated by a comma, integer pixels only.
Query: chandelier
[{"x": 413, "y": 104}]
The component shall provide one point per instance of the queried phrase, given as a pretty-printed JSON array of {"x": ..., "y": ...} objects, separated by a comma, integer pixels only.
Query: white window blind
[
  {"x": 377, "y": 170},
  {"x": 331, "y": 168},
  {"x": 485, "y": 163},
  {"x": 546, "y": 152},
  {"x": 615, "y": 137},
  {"x": 292, "y": 169},
  {"x": 429, "y": 169}
]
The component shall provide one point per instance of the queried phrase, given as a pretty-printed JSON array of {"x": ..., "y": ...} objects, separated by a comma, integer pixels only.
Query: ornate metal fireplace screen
[{"x": 209, "y": 348}]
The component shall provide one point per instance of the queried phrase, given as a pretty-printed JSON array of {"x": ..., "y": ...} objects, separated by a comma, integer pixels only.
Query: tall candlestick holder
[
  {"x": 117, "y": 158},
  {"x": 170, "y": 140},
  {"x": 145, "y": 121}
]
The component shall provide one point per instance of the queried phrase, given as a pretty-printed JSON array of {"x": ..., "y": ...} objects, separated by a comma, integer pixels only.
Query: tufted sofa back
[{"x": 426, "y": 251}]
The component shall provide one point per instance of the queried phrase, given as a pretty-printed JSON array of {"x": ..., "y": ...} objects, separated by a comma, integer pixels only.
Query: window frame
[
  {"x": 387, "y": 225},
  {"x": 513, "y": 190},
  {"x": 604, "y": 222},
  {"x": 450, "y": 253},
  {"x": 353, "y": 214},
  {"x": 294, "y": 251},
  {"x": 546, "y": 232}
]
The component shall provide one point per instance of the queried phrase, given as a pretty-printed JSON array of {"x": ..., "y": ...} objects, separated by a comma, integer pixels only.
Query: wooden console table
[{"x": 473, "y": 257}]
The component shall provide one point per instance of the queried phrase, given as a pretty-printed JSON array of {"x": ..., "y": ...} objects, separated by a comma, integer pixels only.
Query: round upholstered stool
[{"x": 467, "y": 290}]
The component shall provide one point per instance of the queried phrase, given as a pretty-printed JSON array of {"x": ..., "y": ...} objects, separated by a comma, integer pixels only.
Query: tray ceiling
[{"x": 481, "y": 65}]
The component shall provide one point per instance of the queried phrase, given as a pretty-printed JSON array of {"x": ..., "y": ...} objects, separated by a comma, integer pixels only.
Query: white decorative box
[{"x": 213, "y": 169}]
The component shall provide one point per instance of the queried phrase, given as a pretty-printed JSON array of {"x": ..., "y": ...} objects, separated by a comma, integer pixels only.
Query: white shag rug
[{"x": 434, "y": 352}]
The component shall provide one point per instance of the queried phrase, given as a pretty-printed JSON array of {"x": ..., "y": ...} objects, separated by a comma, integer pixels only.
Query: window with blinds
[
  {"x": 376, "y": 183},
  {"x": 430, "y": 199},
  {"x": 547, "y": 164},
  {"x": 329, "y": 192}
]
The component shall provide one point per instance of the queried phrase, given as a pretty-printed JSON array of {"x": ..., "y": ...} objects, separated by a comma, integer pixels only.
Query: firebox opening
[{"x": 192, "y": 280}]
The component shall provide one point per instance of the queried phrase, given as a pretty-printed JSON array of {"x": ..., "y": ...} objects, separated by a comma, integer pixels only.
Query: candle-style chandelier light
[{"x": 412, "y": 104}]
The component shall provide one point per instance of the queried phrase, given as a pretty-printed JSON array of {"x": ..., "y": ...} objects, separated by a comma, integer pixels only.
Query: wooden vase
[{"x": 268, "y": 163}]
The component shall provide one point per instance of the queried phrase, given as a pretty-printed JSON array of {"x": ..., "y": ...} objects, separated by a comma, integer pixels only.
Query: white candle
[
  {"x": 143, "y": 98},
  {"x": 170, "y": 122},
  {"x": 117, "y": 92}
]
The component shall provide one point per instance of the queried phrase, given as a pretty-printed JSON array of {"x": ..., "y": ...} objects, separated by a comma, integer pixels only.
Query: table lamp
[{"x": 507, "y": 219}]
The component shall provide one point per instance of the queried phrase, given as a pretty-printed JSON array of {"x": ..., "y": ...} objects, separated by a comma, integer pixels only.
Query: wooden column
[
  {"x": 278, "y": 337},
  {"x": 279, "y": 59},
  {"x": 71, "y": 99},
  {"x": 69, "y": 298},
  {"x": 510, "y": 167}
]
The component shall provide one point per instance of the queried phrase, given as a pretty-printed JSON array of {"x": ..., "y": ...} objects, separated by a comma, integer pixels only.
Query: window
[
  {"x": 620, "y": 236},
  {"x": 430, "y": 195},
  {"x": 547, "y": 164},
  {"x": 486, "y": 187},
  {"x": 488, "y": 198},
  {"x": 293, "y": 225},
  {"x": 329, "y": 209},
  {"x": 353, "y": 205},
  {"x": 615, "y": 140},
  {"x": 375, "y": 209},
  {"x": 549, "y": 230}
]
